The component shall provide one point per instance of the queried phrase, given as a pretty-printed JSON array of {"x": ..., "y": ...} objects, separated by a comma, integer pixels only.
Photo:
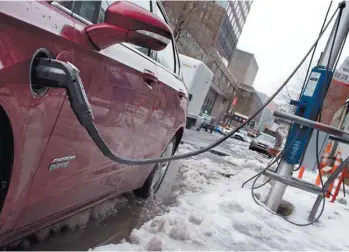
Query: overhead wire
[{"x": 258, "y": 175}]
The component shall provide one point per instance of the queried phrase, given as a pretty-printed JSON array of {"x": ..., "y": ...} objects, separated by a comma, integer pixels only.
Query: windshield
[
  {"x": 267, "y": 138},
  {"x": 206, "y": 118},
  {"x": 243, "y": 132}
]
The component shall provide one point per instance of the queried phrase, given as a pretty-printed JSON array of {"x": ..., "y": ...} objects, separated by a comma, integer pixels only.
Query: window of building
[
  {"x": 222, "y": 82},
  {"x": 165, "y": 57},
  {"x": 229, "y": 10},
  {"x": 235, "y": 26},
  {"x": 244, "y": 7},
  {"x": 242, "y": 22},
  {"x": 239, "y": 16},
  {"x": 218, "y": 76},
  {"x": 238, "y": 10},
  {"x": 214, "y": 67},
  {"x": 238, "y": 33},
  {"x": 229, "y": 86}
]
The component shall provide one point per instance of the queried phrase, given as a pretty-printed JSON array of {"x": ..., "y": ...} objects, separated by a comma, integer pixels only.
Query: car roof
[{"x": 266, "y": 134}]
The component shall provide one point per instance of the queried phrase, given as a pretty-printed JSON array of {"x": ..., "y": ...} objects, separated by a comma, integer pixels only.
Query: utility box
[{"x": 198, "y": 78}]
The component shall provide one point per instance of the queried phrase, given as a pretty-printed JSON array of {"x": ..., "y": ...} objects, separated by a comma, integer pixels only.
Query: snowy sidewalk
[{"x": 213, "y": 212}]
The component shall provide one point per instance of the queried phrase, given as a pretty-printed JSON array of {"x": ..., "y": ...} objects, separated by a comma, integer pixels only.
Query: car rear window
[{"x": 267, "y": 138}]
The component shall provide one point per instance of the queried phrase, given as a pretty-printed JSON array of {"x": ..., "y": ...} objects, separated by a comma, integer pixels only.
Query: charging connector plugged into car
[{"x": 57, "y": 74}]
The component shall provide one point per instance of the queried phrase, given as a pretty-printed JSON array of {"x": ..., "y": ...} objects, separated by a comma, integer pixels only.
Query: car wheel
[{"x": 155, "y": 178}]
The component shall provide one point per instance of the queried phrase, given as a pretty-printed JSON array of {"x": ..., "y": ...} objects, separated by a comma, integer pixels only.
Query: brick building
[{"x": 337, "y": 93}]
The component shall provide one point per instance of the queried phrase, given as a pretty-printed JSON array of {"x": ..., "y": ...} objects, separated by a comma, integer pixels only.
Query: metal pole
[
  {"x": 343, "y": 30},
  {"x": 327, "y": 58},
  {"x": 278, "y": 189}
]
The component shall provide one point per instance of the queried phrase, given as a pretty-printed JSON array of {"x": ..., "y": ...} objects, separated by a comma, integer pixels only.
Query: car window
[
  {"x": 66, "y": 4},
  {"x": 267, "y": 138},
  {"x": 88, "y": 10},
  {"x": 165, "y": 57}
]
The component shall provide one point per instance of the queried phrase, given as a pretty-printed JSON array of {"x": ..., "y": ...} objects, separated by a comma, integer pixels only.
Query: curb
[{"x": 216, "y": 152}]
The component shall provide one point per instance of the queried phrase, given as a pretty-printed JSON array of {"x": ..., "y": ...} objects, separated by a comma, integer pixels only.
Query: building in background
[
  {"x": 209, "y": 31},
  {"x": 244, "y": 67},
  {"x": 337, "y": 93},
  {"x": 248, "y": 101},
  {"x": 231, "y": 26}
]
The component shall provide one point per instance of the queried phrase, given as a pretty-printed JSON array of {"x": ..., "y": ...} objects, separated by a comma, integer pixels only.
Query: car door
[
  {"x": 26, "y": 27},
  {"x": 121, "y": 97},
  {"x": 171, "y": 101}
]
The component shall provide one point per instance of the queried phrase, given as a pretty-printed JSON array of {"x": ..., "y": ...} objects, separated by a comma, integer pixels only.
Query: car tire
[{"x": 157, "y": 175}]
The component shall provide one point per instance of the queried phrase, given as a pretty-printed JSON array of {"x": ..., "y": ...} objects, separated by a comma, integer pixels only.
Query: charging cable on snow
[{"x": 256, "y": 177}]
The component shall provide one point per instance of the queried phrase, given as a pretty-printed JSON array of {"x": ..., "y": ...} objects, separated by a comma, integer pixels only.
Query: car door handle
[{"x": 149, "y": 77}]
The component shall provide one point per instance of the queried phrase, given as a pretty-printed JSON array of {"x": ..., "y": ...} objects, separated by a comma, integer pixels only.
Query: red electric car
[{"x": 128, "y": 63}]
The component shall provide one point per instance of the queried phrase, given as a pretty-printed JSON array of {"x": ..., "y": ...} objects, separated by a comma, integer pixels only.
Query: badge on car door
[{"x": 61, "y": 162}]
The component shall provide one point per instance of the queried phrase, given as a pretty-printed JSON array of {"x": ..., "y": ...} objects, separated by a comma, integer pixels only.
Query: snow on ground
[{"x": 213, "y": 212}]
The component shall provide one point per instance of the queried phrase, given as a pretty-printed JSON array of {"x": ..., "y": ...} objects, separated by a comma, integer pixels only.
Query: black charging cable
[{"x": 58, "y": 74}]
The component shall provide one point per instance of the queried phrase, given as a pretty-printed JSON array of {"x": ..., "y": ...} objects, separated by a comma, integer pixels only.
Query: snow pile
[{"x": 213, "y": 212}]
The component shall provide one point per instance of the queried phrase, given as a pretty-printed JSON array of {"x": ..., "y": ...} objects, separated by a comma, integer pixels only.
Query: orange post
[
  {"x": 301, "y": 171},
  {"x": 335, "y": 166},
  {"x": 318, "y": 180},
  {"x": 341, "y": 180},
  {"x": 323, "y": 162}
]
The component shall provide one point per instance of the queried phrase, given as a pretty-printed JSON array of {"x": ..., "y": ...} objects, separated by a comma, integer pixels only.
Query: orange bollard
[
  {"x": 301, "y": 171},
  {"x": 341, "y": 180},
  {"x": 318, "y": 180},
  {"x": 335, "y": 166},
  {"x": 323, "y": 162}
]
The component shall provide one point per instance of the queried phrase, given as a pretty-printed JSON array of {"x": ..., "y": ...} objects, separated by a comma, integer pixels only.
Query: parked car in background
[
  {"x": 129, "y": 66},
  {"x": 264, "y": 143},
  {"x": 248, "y": 139},
  {"x": 205, "y": 122},
  {"x": 241, "y": 135},
  {"x": 226, "y": 130}
]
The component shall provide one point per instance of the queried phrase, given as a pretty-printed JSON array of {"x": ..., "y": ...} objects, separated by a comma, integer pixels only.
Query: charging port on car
[{"x": 37, "y": 89}]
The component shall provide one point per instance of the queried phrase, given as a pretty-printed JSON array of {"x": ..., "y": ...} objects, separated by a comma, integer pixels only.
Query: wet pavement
[
  {"x": 134, "y": 212},
  {"x": 202, "y": 139}
]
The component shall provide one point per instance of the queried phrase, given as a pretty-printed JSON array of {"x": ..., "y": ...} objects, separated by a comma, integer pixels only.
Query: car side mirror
[{"x": 130, "y": 23}]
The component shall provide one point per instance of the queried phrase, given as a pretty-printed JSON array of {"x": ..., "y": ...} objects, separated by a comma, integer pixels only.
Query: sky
[{"x": 279, "y": 33}]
